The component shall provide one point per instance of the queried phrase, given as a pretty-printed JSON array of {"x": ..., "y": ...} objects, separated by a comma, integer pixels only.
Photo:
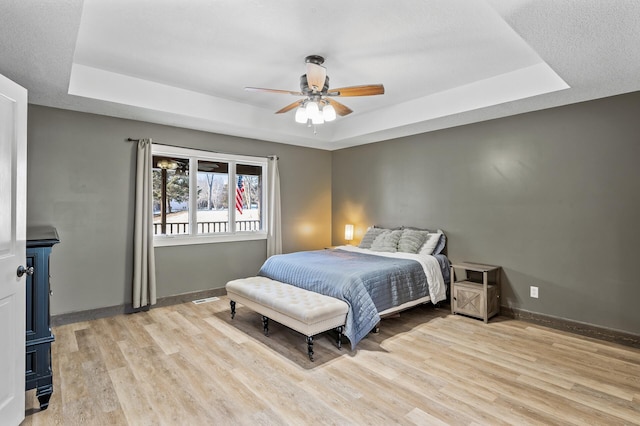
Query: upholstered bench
[{"x": 302, "y": 310}]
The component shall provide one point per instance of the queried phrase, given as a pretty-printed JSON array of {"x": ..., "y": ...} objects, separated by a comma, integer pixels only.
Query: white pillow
[{"x": 430, "y": 243}]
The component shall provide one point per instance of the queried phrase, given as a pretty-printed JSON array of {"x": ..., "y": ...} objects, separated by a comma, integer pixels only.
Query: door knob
[{"x": 22, "y": 271}]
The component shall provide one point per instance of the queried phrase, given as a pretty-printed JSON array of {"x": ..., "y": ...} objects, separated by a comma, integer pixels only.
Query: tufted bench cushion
[{"x": 305, "y": 311}]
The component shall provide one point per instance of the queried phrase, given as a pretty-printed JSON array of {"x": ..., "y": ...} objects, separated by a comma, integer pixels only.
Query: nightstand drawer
[{"x": 468, "y": 299}]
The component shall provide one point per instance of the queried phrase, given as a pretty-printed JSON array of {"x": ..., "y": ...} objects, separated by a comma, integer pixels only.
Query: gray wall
[
  {"x": 80, "y": 180},
  {"x": 552, "y": 196}
]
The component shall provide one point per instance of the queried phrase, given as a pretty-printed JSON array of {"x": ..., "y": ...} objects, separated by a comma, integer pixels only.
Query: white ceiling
[{"x": 443, "y": 63}]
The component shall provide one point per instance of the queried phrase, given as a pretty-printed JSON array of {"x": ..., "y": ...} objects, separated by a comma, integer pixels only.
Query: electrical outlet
[{"x": 533, "y": 292}]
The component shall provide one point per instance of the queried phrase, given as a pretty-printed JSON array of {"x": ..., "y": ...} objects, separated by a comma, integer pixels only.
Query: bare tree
[{"x": 210, "y": 178}]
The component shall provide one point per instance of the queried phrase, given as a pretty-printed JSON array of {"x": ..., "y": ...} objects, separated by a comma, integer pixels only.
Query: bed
[{"x": 391, "y": 270}]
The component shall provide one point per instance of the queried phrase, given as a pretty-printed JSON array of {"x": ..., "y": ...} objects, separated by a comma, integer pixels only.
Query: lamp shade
[
  {"x": 348, "y": 232},
  {"x": 329, "y": 113},
  {"x": 312, "y": 109},
  {"x": 301, "y": 115}
]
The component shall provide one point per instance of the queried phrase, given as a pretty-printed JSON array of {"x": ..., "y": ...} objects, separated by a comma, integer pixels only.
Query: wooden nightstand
[{"x": 478, "y": 295}]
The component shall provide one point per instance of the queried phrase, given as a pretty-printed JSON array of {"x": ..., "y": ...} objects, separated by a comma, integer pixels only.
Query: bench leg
[
  {"x": 233, "y": 309},
  {"x": 310, "y": 347},
  {"x": 265, "y": 325},
  {"x": 339, "y": 338}
]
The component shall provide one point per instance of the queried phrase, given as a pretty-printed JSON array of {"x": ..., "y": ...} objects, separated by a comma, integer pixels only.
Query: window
[{"x": 201, "y": 196}]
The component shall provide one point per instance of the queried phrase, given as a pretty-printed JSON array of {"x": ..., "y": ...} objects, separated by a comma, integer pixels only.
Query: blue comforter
[{"x": 368, "y": 283}]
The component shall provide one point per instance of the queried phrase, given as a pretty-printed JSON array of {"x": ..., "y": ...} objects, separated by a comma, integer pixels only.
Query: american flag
[{"x": 239, "y": 193}]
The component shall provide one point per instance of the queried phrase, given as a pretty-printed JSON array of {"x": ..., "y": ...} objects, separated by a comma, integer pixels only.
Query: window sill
[{"x": 184, "y": 240}]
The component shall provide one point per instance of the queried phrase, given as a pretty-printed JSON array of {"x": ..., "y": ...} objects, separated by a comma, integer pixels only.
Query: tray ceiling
[{"x": 444, "y": 63}]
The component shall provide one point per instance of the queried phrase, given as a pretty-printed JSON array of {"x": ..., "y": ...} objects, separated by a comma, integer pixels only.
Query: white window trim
[{"x": 222, "y": 237}]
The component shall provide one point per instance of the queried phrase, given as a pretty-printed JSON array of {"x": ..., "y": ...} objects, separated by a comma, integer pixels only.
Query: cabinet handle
[{"x": 22, "y": 271}]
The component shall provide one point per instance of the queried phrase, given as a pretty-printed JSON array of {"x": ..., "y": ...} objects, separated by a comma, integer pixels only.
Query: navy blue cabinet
[{"x": 40, "y": 241}]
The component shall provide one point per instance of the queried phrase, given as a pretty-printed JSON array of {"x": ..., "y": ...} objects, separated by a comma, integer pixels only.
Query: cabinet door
[
  {"x": 469, "y": 300},
  {"x": 38, "y": 294}
]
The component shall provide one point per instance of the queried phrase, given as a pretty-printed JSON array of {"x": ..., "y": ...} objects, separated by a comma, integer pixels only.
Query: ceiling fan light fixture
[
  {"x": 328, "y": 113},
  {"x": 318, "y": 105}
]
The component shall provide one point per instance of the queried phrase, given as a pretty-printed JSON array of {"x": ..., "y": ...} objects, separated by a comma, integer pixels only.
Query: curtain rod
[{"x": 270, "y": 157}]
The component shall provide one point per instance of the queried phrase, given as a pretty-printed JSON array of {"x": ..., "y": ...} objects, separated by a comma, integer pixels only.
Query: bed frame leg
[
  {"x": 339, "y": 338},
  {"x": 376, "y": 329},
  {"x": 233, "y": 309},
  {"x": 265, "y": 325},
  {"x": 310, "y": 347}
]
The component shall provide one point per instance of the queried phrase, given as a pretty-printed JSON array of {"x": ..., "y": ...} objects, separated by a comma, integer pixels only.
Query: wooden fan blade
[
  {"x": 316, "y": 74},
  {"x": 365, "y": 90},
  {"x": 341, "y": 109},
  {"x": 286, "y": 92},
  {"x": 290, "y": 107}
]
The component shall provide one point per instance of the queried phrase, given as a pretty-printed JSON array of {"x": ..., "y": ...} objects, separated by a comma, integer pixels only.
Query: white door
[{"x": 13, "y": 217}]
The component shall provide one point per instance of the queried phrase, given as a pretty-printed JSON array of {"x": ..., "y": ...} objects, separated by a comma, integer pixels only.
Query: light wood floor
[{"x": 192, "y": 365}]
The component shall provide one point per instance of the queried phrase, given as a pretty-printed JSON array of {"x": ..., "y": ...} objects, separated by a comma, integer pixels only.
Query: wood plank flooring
[{"x": 191, "y": 364}]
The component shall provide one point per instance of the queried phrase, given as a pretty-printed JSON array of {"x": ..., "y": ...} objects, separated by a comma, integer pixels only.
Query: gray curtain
[
  {"x": 144, "y": 268},
  {"x": 274, "y": 237}
]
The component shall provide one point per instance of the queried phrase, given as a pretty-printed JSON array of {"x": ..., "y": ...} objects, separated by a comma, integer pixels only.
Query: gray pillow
[
  {"x": 369, "y": 236},
  {"x": 387, "y": 241},
  {"x": 411, "y": 240}
]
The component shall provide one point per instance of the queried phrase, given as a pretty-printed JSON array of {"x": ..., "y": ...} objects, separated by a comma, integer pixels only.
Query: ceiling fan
[{"x": 318, "y": 105}]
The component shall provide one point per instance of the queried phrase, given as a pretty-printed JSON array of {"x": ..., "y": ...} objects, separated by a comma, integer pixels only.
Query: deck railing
[{"x": 206, "y": 227}]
